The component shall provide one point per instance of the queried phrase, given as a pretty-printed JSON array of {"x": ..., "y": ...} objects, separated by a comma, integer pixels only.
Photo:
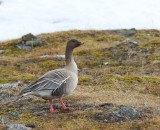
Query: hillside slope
[{"x": 118, "y": 73}]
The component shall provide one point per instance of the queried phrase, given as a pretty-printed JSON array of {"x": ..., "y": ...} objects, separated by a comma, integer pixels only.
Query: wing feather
[{"x": 50, "y": 81}]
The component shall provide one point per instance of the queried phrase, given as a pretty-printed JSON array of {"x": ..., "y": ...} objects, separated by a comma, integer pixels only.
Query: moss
[
  {"x": 113, "y": 63},
  {"x": 26, "y": 115},
  {"x": 139, "y": 79},
  {"x": 49, "y": 64},
  {"x": 13, "y": 51},
  {"x": 29, "y": 118},
  {"x": 83, "y": 52},
  {"x": 109, "y": 83},
  {"x": 3, "y": 80},
  {"x": 98, "y": 54},
  {"x": 85, "y": 79}
]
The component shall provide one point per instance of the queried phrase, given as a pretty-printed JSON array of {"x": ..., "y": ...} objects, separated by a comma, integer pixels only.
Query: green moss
[
  {"x": 29, "y": 118},
  {"x": 83, "y": 52},
  {"x": 113, "y": 63},
  {"x": 98, "y": 54},
  {"x": 139, "y": 79},
  {"x": 13, "y": 51},
  {"x": 3, "y": 80},
  {"x": 49, "y": 64},
  {"x": 85, "y": 79},
  {"x": 26, "y": 115},
  {"x": 28, "y": 77}
]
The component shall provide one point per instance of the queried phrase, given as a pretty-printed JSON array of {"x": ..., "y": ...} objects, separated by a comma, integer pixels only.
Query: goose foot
[
  {"x": 64, "y": 106},
  {"x": 52, "y": 110}
]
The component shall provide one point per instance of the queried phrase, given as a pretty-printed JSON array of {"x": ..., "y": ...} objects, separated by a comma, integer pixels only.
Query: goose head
[{"x": 73, "y": 44}]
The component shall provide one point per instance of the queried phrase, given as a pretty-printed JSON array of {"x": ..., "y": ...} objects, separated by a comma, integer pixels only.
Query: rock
[
  {"x": 57, "y": 106},
  {"x": 121, "y": 114},
  {"x": 11, "y": 85},
  {"x": 17, "y": 127},
  {"x": 4, "y": 120},
  {"x": 13, "y": 114},
  {"x": 34, "y": 42},
  {"x": 105, "y": 63},
  {"x": 59, "y": 57},
  {"x": 28, "y": 41},
  {"x": 129, "y": 32},
  {"x": 24, "y": 47},
  {"x": 30, "y": 125},
  {"x": 131, "y": 43},
  {"x": 44, "y": 56},
  {"x": 128, "y": 53},
  {"x": 28, "y": 37},
  {"x": 1, "y": 51},
  {"x": 4, "y": 96},
  {"x": 128, "y": 112}
]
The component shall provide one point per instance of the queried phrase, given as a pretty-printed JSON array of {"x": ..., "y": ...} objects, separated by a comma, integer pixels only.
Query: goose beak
[{"x": 81, "y": 44}]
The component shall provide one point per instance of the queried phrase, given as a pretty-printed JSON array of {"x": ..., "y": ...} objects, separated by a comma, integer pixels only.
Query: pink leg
[
  {"x": 63, "y": 105},
  {"x": 51, "y": 107}
]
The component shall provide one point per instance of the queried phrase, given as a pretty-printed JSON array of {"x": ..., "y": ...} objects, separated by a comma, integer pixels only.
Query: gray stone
[
  {"x": 24, "y": 47},
  {"x": 1, "y": 51},
  {"x": 105, "y": 63},
  {"x": 57, "y": 106},
  {"x": 34, "y": 42},
  {"x": 11, "y": 85},
  {"x": 127, "y": 112},
  {"x": 130, "y": 41},
  {"x": 4, "y": 96},
  {"x": 44, "y": 56},
  {"x": 59, "y": 57},
  {"x": 13, "y": 114},
  {"x": 121, "y": 114},
  {"x": 129, "y": 32},
  {"x": 29, "y": 41},
  {"x": 17, "y": 127},
  {"x": 4, "y": 120},
  {"x": 28, "y": 37}
]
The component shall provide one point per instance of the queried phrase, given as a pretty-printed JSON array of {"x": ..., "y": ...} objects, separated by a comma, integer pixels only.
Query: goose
[{"x": 57, "y": 83}]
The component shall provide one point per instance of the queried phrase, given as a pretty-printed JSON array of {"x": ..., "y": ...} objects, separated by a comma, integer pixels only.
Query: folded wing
[{"x": 54, "y": 80}]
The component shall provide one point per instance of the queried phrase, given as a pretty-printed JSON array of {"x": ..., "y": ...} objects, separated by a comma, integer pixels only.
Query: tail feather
[{"x": 24, "y": 92}]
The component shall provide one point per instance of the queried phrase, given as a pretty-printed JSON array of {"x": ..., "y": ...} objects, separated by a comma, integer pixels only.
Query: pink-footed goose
[{"x": 57, "y": 83}]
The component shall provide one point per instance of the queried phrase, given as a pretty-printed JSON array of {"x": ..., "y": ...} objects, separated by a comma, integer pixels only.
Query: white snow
[{"x": 19, "y": 17}]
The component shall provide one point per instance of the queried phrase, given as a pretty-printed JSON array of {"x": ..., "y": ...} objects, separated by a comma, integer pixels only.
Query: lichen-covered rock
[
  {"x": 129, "y": 32},
  {"x": 59, "y": 57},
  {"x": 28, "y": 37},
  {"x": 4, "y": 96},
  {"x": 4, "y": 120},
  {"x": 28, "y": 41},
  {"x": 122, "y": 113},
  {"x": 13, "y": 114},
  {"x": 131, "y": 43},
  {"x": 34, "y": 42},
  {"x": 11, "y": 85},
  {"x": 17, "y": 127}
]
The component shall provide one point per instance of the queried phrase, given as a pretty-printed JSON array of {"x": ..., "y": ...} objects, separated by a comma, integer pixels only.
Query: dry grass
[{"x": 117, "y": 83}]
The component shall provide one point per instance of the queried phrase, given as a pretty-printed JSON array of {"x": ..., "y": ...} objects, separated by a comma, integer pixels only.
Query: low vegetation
[{"x": 112, "y": 69}]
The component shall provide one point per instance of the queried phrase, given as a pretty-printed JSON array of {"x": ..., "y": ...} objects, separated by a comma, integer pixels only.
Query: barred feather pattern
[{"x": 56, "y": 81}]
